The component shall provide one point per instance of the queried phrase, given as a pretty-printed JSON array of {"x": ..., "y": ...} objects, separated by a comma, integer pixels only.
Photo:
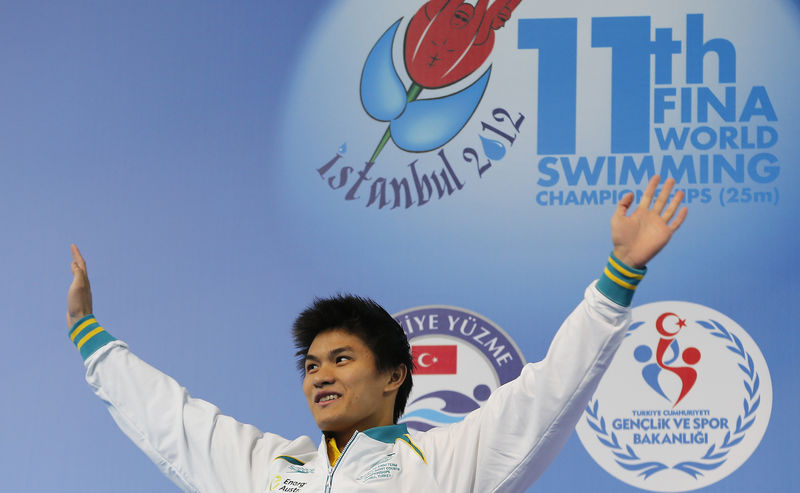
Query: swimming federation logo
[
  {"x": 684, "y": 403},
  {"x": 460, "y": 357}
]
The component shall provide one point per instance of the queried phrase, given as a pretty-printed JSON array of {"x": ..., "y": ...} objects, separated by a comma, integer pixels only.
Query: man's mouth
[{"x": 327, "y": 397}]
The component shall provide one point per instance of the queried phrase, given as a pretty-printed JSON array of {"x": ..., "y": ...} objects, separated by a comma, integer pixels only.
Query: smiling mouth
[{"x": 327, "y": 398}]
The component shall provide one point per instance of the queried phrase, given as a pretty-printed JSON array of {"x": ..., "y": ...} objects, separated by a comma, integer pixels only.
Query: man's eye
[
  {"x": 310, "y": 367},
  {"x": 340, "y": 359}
]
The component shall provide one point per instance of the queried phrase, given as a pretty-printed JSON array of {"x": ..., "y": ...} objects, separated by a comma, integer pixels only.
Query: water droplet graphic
[
  {"x": 342, "y": 149},
  {"x": 493, "y": 149}
]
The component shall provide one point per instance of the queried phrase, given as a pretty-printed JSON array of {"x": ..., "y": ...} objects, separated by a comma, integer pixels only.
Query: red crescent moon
[{"x": 660, "y": 325}]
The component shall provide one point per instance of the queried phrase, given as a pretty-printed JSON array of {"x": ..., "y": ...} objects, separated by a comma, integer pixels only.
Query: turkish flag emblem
[{"x": 434, "y": 360}]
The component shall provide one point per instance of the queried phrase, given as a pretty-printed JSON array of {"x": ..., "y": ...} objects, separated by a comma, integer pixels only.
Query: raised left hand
[{"x": 639, "y": 237}]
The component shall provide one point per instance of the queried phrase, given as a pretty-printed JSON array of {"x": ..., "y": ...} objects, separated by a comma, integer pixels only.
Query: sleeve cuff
[
  {"x": 88, "y": 336},
  {"x": 619, "y": 281}
]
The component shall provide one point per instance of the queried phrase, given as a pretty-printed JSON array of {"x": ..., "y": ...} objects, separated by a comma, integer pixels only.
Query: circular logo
[
  {"x": 460, "y": 358},
  {"x": 684, "y": 403}
]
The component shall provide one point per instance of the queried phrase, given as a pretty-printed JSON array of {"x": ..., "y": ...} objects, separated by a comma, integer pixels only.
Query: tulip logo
[{"x": 445, "y": 42}]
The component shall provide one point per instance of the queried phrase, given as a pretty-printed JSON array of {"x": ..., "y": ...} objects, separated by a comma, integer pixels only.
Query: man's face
[{"x": 343, "y": 387}]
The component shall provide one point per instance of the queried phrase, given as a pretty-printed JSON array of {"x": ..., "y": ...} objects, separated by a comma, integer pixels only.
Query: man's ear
[{"x": 396, "y": 378}]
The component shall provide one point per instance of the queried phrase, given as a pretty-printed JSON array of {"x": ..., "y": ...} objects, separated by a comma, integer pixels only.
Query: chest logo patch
[{"x": 382, "y": 470}]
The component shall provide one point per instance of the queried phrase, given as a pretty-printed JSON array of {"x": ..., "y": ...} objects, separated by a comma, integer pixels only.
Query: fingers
[
  {"x": 647, "y": 197},
  {"x": 76, "y": 255},
  {"x": 623, "y": 204},
  {"x": 80, "y": 278},
  {"x": 679, "y": 220},
  {"x": 77, "y": 259},
  {"x": 673, "y": 206},
  {"x": 663, "y": 197},
  {"x": 661, "y": 201},
  {"x": 668, "y": 214}
]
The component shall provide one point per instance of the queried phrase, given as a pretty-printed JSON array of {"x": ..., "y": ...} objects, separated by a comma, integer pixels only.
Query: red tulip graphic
[{"x": 447, "y": 40}]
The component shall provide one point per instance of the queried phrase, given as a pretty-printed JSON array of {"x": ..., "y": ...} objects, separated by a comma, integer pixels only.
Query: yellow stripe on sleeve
[
  {"x": 79, "y": 328},
  {"x": 88, "y": 336},
  {"x": 618, "y": 280},
  {"x": 624, "y": 270}
]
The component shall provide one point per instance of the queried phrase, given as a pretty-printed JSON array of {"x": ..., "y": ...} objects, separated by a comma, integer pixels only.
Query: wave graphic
[{"x": 432, "y": 417}]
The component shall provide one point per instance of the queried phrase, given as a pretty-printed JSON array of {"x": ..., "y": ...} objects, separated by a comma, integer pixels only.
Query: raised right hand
[{"x": 79, "y": 296}]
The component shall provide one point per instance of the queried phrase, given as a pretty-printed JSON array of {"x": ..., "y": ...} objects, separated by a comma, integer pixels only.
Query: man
[{"x": 356, "y": 387}]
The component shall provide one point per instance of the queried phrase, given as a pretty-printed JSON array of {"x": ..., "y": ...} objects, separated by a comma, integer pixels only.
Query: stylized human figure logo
[
  {"x": 667, "y": 342},
  {"x": 446, "y": 41}
]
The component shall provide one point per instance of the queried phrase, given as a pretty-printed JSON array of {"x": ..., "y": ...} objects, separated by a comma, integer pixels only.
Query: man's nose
[{"x": 323, "y": 376}]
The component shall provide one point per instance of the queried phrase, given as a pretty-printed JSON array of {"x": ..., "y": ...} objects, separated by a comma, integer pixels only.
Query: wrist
[
  {"x": 74, "y": 319},
  {"x": 623, "y": 257}
]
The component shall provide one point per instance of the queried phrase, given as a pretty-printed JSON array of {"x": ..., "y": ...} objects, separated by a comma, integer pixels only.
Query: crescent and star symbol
[
  {"x": 421, "y": 362},
  {"x": 681, "y": 323}
]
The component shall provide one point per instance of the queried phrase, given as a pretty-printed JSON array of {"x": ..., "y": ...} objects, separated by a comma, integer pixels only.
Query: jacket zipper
[{"x": 331, "y": 470}]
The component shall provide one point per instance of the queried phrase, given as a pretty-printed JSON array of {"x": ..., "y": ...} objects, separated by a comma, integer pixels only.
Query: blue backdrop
[{"x": 183, "y": 145}]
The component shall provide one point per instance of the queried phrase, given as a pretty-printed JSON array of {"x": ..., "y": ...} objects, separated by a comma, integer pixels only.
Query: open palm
[{"x": 639, "y": 237}]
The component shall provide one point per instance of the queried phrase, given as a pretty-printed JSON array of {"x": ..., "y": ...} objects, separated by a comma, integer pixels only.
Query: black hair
[{"x": 368, "y": 321}]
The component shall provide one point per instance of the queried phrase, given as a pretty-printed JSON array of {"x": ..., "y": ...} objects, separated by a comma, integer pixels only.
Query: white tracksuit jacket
[{"x": 504, "y": 446}]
